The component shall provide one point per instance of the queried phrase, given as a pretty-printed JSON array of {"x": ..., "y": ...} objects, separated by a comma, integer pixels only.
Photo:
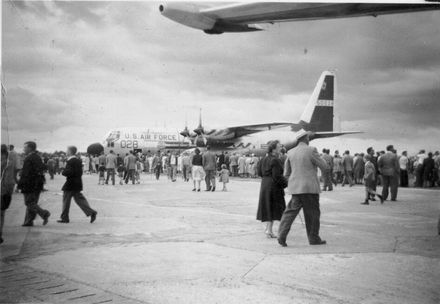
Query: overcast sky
[{"x": 74, "y": 70}]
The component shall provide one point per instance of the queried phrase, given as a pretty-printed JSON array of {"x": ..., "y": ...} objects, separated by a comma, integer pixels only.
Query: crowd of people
[{"x": 387, "y": 169}]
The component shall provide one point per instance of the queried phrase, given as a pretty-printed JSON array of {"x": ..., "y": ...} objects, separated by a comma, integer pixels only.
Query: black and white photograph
[{"x": 220, "y": 152}]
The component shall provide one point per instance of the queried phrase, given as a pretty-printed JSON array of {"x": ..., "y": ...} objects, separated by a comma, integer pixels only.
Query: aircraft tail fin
[{"x": 318, "y": 114}]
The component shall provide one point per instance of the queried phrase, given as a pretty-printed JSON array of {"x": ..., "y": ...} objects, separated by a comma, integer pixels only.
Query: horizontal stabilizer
[{"x": 317, "y": 135}]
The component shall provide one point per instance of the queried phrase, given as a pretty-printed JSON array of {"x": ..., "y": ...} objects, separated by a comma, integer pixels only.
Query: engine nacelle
[{"x": 187, "y": 14}]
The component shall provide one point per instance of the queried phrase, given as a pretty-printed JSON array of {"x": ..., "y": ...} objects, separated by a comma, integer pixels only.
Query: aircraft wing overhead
[{"x": 244, "y": 17}]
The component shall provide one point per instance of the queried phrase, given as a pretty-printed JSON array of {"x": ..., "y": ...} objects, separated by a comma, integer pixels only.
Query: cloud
[
  {"x": 93, "y": 66},
  {"x": 28, "y": 111}
]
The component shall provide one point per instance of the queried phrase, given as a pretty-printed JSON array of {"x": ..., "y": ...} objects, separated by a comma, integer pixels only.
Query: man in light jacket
[
  {"x": 111, "y": 163},
  {"x": 303, "y": 184}
]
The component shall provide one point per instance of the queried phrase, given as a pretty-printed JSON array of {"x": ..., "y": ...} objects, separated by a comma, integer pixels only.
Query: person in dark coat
[
  {"x": 271, "y": 204},
  {"x": 31, "y": 184},
  {"x": 73, "y": 187},
  {"x": 428, "y": 171},
  {"x": 390, "y": 170}
]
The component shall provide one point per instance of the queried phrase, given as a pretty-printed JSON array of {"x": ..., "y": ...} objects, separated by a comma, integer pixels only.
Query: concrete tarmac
[{"x": 159, "y": 242}]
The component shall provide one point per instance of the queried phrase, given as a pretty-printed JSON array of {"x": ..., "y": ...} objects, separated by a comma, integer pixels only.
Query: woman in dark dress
[{"x": 271, "y": 203}]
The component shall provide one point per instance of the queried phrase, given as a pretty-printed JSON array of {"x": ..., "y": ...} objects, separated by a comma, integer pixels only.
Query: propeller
[
  {"x": 185, "y": 132},
  {"x": 199, "y": 130}
]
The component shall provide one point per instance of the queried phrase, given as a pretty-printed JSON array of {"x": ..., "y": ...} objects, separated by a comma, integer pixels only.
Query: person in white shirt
[{"x": 403, "y": 163}]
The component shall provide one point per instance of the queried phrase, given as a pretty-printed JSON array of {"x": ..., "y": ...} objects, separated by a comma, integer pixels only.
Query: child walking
[{"x": 224, "y": 177}]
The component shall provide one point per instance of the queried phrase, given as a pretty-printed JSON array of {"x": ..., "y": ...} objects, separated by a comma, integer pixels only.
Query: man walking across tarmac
[
  {"x": 31, "y": 184},
  {"x": 303, "y": 184},
  {"x": 73, "y": 187},
  {"x": 389, "y": 168},
  {"x": 111, "y": 163},
  {"x": 209, "y": 165}
]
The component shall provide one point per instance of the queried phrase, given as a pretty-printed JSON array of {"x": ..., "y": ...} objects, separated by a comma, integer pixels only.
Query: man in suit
[
  {"x": 327, "y": 174},
  {"x": 389, "y": 168},
  {"x": 209, "y": 164},
  {"x": 31, "y": 184},
  {"x": 73, "y": 187},
  {"x": 130, "y": 166},
  {"x": 347, "y": 164},
  {"x": 303, "y": 184},
  {"x": 111, "y": 163}
]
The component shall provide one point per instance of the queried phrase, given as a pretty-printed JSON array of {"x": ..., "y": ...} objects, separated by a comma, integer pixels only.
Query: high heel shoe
[{"x": 270, "y": 235}]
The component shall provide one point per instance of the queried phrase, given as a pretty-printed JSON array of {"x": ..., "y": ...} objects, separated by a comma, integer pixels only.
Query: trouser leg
[
  {"x": 350, "y": 177},
  {"x": 82, "y": 202},
  {"x": 32, "y": 208},
  {"x": 404, "y": 178},
  {"x": 212, "y": 179},
  {"x": 385, "y": 186},
  {"x": 174, "y": 172},
  {"x": 345, "y": 178},
  {"x": 67, "y": 198},
  {"x": 208, "y": 179},
  {"x": 394, "y": 185},
  {"x": 289, "y": 216},
  {"x": 312, "y": 215},
  {"x": 328, "y": 180},
  {"x": 132, "y": 177}
]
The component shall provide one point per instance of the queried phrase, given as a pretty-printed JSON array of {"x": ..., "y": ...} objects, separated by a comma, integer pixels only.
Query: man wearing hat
[{"x": 303, "y": 184}]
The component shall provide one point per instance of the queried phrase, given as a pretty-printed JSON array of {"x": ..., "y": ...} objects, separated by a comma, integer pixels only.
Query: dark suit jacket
[
  {"x": 388, "y": 164},
  {"x": 32, "y": 175},
  {"x": 73, "y": 172}
]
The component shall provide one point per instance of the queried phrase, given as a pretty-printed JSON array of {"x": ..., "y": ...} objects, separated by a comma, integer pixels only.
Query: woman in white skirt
[{"x": 198, "y": 174}]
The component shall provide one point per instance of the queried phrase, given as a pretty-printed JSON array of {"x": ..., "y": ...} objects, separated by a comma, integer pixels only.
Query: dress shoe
[
  {"x": 63, "y": 221},
  {"x": 1, "y": 240},
  {"x": 320, "y": 242},
  {"x": 93, "y": 217},
  {"x": 381, "y": 198},
  {"x": 213, "y": 189},
  {"x": 194, "y": 189},
  {"x": 393, "y": 199},
  {"x": 46, "y": 218},
  {"x": 365, "y": 203},
  {"x": 198, "y": 190},
  {"x": 282, "y": 243},
  {"x": 28, "y": 225}
]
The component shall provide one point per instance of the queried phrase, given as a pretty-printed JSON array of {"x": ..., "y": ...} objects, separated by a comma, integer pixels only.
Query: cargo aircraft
[
  {"x": 247, "y": 17},
  {"x": 317, "y": 118}
]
